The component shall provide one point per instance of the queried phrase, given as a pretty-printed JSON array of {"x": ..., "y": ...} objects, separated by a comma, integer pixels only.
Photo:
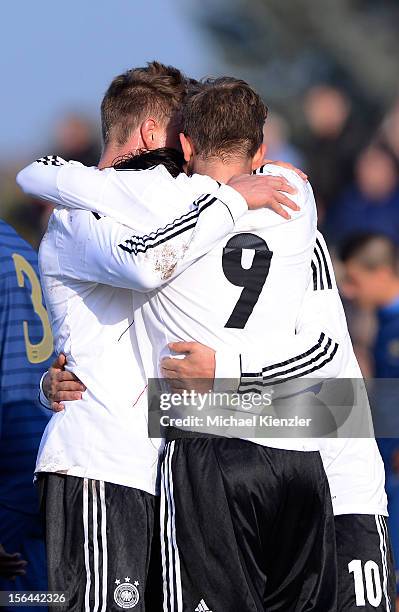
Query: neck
[
  {"x": 111, "y": 152},
  {"x": 220, "y": 171}
]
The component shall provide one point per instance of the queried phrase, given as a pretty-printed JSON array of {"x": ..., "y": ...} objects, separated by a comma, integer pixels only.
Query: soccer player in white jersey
[
  {"x": 365, "y": 569},
  {"x": 360, "y": 492},
  {"x": 98, "y": 467},
  {"x": 245, "y": 525},
  {"x": 354, "y": 468},
  {"x": 294, "y": 577}
]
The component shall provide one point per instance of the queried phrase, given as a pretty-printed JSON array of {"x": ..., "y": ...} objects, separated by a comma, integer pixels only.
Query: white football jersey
[
  {"x": 314, "y": 343},
  {"x": 89, "y": 266},
  {"x": 248, "y": 287},
  {"x": 353, "y": 464}
]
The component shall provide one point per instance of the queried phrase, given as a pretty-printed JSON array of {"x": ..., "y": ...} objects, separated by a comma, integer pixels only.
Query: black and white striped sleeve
[
  {"x": 145, "y": 262},
  {"x": 40, "y": 179},
  {"x": 69, "y": 184},
  {"x": 307, "y": 355},
  {"x": 51, "y": 160},
  {"x": 322, "y": 271},
  {"x": 180, "y": 226}
]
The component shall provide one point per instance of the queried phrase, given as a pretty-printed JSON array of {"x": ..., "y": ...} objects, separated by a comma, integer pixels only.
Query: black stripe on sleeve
[
  {"x": 318, "y": 366},
  {"x": 314, "y": 271},
  {"x": 143, "y": 248},
  {"x": 300, "y": 366},
  {"x": 320, "y": 268},
  {"x": 140, "y": 244},
  {"x": 281, "y": 364},
  {"x": 51, "y": 160},
  {"x": 319, "y": 355},
  {"x": 326, "y": 268}
]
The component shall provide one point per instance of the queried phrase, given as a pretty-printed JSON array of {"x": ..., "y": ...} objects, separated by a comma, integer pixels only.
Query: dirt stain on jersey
[{"x": 166, "y": 258}]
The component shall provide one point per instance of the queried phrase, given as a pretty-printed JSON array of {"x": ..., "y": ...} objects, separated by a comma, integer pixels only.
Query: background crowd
[{"x": 354, "y": 172}]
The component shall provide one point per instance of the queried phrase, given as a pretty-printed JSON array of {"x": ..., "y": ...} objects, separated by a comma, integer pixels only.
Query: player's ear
[
  {"x": 259, "y": 157},
  {"x": 186, "y": 146},
  {"x": 149, "y": 135}
]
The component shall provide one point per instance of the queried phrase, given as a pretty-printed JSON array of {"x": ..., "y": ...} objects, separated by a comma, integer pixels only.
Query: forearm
[
  {"x": 72, "y": 185},
  {"x": 314, "y": 354},
  {"x": 39, "y": 179},
  {"x": 144, "y": 263}
]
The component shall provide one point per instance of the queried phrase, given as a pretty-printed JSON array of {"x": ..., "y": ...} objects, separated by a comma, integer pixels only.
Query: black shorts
[
  {"x": 366, "y": 574},
  {"x": 245, "y": 528},
  {"x": 102, "y": 544}
]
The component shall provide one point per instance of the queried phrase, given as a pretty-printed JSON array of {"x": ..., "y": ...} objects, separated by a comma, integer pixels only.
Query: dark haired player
[
  {"x": 358, "y": 498},
  {"x": 243, "y": 153},
  {"x": 95, "y": 459}
]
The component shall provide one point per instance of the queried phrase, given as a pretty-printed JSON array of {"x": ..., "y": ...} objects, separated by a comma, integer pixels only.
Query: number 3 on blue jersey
[
  {"x": 251, "y": 279},
  {"x": 36, "y": 353}
]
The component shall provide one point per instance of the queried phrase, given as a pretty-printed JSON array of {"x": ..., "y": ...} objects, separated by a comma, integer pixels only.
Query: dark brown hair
[
  {"x": 155, "y": 90},
  {"x": 225, "y": 119},
  {"x": 170, "y": 158},
  {"x": 371, "y": 251}
]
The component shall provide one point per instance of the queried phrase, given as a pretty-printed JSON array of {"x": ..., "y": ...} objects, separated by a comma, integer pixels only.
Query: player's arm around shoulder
[
  {"x": 65, "y": 183},
  {"x": 303, "y": 195},
  {"x": 296, "y": 237}
]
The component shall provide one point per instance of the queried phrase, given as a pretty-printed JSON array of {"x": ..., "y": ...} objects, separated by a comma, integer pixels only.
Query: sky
[{"x": 60, "y": 56}]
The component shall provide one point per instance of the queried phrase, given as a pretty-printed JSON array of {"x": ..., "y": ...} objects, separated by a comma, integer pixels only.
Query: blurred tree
[{"x": 283, "y": 46}]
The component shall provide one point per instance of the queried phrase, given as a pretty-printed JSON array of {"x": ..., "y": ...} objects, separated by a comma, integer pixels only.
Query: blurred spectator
[
  {"x": 26, "y": 346},
  {"x": 371, "y": 204},
  {"x": 276, "y": 137},
  {"x": 332, "y": 141},
  {"x": 75, "y": 138},
  {"x": 372, "y": 281},
  {"x": 389, "y": 133}
]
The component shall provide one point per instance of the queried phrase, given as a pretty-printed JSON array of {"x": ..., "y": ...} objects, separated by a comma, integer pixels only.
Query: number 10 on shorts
[{"x": 367, "y": 582}]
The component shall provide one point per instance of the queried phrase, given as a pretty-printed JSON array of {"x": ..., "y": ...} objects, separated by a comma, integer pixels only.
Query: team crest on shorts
[{"x": 126, "y": 594}]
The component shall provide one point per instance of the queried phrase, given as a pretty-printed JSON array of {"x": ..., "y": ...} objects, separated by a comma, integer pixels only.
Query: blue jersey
[
  {"x": 386, "y": 350},
  {"x": 386, "y": 356},
  {"x": 26, "y": 348}
]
